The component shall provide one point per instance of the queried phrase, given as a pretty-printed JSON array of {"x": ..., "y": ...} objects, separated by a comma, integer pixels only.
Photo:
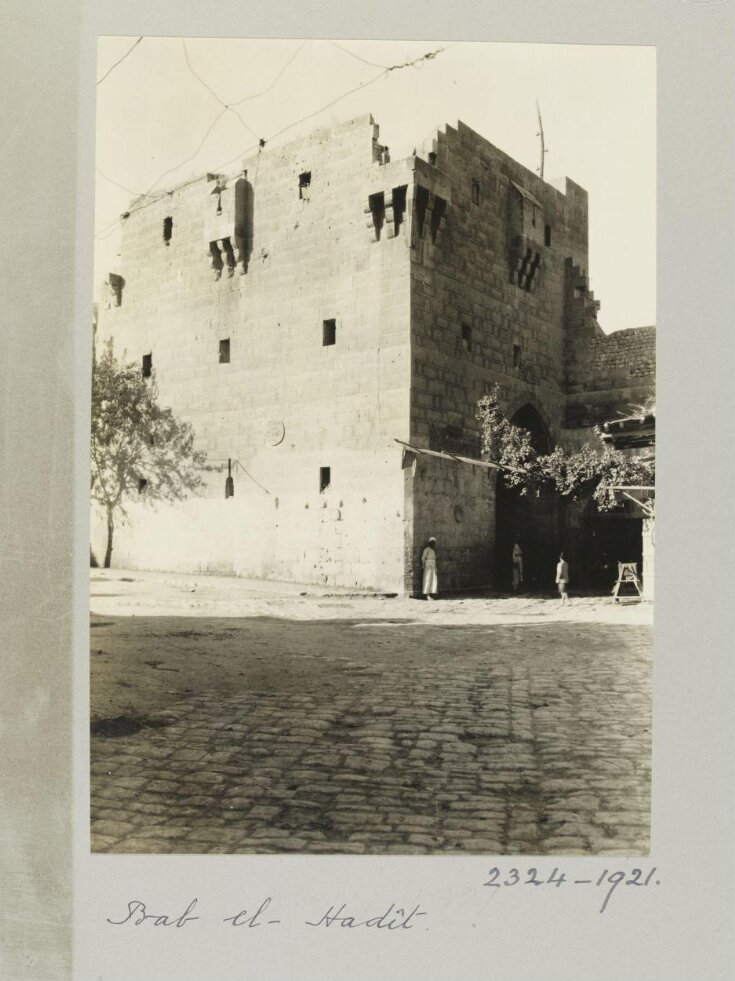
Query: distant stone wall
[{"x": 609, "y": 373}]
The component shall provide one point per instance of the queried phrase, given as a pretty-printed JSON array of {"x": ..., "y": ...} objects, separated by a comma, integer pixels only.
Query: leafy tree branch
[{"x": 135, "y": 439}]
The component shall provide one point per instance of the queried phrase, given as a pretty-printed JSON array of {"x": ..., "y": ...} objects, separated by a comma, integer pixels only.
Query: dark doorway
[
  {"x": 613, "y": 538},
  {"x": 532, "y": 520}
]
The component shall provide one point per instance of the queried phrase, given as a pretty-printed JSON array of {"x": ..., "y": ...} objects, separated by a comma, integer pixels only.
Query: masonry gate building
[{"x": 312, "y": 310}]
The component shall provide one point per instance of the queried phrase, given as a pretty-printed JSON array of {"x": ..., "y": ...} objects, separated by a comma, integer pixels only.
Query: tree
[
  {"x": 594, "y": 469},
  {"x": 138, "y": 448}
]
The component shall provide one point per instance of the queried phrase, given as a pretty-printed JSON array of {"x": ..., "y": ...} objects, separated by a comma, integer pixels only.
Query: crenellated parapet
[{"x": 580, "y": 305}]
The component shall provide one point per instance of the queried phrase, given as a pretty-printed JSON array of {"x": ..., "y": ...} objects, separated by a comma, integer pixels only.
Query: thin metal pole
[{"x": 543, "y": 144}]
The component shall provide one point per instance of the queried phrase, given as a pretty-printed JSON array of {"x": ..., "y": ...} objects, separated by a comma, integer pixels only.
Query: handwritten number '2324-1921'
[{"x": 613, "y": 879}]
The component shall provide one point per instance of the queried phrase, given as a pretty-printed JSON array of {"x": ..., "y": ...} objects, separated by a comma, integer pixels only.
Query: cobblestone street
[{"x": 327, "y": 723}]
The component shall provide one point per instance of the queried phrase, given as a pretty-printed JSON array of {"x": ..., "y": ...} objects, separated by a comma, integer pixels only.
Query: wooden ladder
[{"x": 627, "y": 573}]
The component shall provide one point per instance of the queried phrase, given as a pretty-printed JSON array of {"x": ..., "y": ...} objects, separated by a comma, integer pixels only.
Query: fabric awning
[{"x": 455, "y": 457}]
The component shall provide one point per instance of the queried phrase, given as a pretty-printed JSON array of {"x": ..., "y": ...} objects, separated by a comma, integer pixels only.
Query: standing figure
[
  {"x": 430, "y": 585},
  {"x": 562, "y": 578},
  {"x": 517, "y": 566}
]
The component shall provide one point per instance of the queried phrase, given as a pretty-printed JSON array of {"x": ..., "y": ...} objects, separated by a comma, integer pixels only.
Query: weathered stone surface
[
  {"x": 403, "y": 331},
  {"x": 537, "y": 796}
]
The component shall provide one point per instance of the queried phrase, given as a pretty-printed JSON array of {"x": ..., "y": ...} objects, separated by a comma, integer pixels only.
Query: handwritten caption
[
  {"x": 393, "y": 916},
  {"x": 607, "y": 880}
]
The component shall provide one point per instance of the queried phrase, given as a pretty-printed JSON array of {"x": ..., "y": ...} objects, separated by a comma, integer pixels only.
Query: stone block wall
[
  {"x": 455, "y": 503},
  {"x": 309, "y": 310},
  {"x": 607, "y": 374},
  {"x": 199, "y": 271},
  {"x": 487, "y": 307}
]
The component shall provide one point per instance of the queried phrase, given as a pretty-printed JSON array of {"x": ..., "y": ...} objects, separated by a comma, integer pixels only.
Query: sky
[{"x": 157, "y": 124}]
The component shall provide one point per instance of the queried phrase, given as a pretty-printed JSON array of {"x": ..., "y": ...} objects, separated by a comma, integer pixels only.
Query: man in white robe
[{"x": 430, "y": 585}]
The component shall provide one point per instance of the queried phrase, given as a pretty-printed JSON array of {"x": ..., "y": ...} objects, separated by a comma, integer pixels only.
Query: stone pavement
[{"x": 382, "y": 733}]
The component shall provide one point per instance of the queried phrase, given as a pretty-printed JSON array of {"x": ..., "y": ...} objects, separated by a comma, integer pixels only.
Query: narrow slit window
[
  {"x": 420, "y": 208},
  {"x": 376, "y": 203},
  {"x": 437, "y": 216},
  {"x": 147, "y": 365},
  {"x": 329, "y": 333},
  {"x": 516, "y": 355},
  {"x": 116, "y": 284},
  {"x": 547, "y": 235},
  {"x": 475, "y": 191},
  {"x": 325, "y": 478},
  {"x": 168, "y": 230},
  {"x": 399, "y": 206},
  {"x": 304, "y": 184},
  {"x": 467, "y": 337},
  {"x": 224, "y": 351}
]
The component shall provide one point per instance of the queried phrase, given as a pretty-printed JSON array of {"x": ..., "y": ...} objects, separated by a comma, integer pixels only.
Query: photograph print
[{"x": 372, "y": 448}]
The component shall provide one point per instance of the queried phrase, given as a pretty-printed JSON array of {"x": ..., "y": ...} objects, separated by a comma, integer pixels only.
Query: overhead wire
[
  {"x": 225, "y": 108},
  {"x": 209, "y": 89},
  {"x": 115, "y": 183},
  {"x": 265, "y": 91},
  {"x": 372, "y": 64},
  {"x": 317, "y": 112},
  {"x": 178, "y": 166},
  {"x": 119, "y": 61},
  {"x": 363, "y": 85},
  {"x": 107, "y": 231},
  {"x": 385, "y": 71}
]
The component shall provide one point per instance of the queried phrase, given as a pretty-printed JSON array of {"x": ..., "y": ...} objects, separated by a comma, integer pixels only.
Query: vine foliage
[{"x": 595, "y": 469}]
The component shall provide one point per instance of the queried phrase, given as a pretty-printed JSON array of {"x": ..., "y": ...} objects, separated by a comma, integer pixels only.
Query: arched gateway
[{"x": 533, "y": 520}]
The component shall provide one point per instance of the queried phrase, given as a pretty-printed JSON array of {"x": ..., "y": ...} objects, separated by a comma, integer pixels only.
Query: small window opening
[
  {"x": 516, "y": 355},
  {"x": 168, "y": 228},
  {"x": 533, "y": 215},
  {"x": 147, "y": 365},
  {"x": 467, "y": 337},
  {"x": 229, "y": 255},
  {"x": 216, "y": 255},
  {"x": 325, "y": 478},
  {"x": 224, "y": 351},
  {"x": 475, "y": 191},
  {"x": 222, "y": 248},
  {"x": 377, "y": 209},
  {"x": 116, "y": 284},
  {"x": 432, "y": 158},
  {"x": 219, "y": 187},
  {"x": 304, "y": 184},
  {"x": 399, "y": 206},
  {"x": 421, "y": 205},
  {"x": 528, "y": 268},
  {"x": 533, "y": 269},
  {"x": 329, "y": 332},
  {"x": 547, "y": 235},
  {"x": 437, "y": 214},
  {"x": 142, "y": 484}
]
